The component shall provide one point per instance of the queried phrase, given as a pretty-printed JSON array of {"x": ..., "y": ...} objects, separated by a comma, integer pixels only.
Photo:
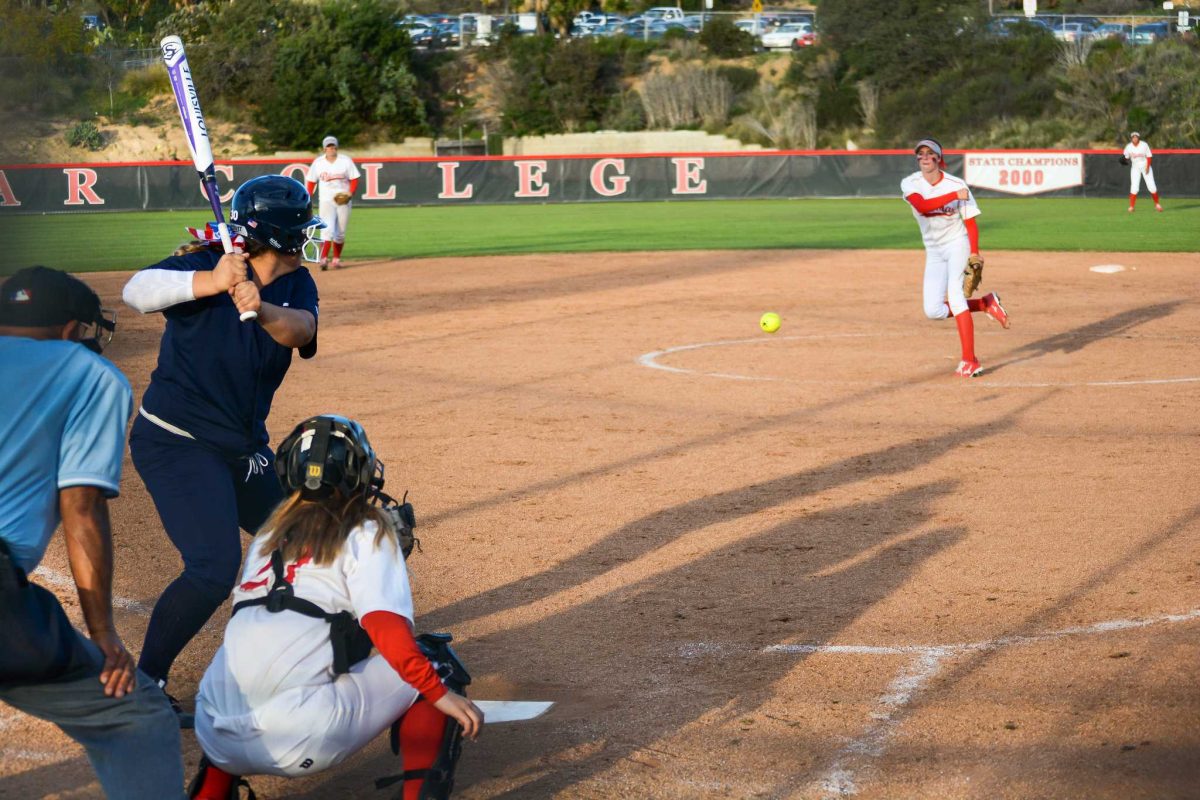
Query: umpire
[{"x": 62, "y": 422}]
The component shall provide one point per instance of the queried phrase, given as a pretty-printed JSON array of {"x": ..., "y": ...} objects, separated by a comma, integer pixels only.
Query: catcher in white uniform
[
  {"x": 293, "y": 689},
  {"x": 1138, "y": 156},
  {"x": 946, "y": 210},
  {"x": 338, "y": 179}
]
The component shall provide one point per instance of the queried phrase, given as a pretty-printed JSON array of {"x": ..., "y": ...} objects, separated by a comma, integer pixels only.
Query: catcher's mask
[
  {"x": 325, "y": 454},
  {"x": 275, "y": 210}
]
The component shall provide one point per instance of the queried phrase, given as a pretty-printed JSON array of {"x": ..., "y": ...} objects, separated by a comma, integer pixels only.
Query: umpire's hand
[{"x": 119, "y": 674}]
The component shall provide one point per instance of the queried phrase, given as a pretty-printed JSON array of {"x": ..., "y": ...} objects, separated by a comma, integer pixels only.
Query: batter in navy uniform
[{"x": 199, "y": 441}]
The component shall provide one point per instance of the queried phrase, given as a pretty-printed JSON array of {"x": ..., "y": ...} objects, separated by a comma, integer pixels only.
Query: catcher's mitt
[
  {"x": 403, "y": 518},
  {"x": 341, "y": 198},
  {"x": 1124, "y": 161},
  {"x": 973, "y": 275}
]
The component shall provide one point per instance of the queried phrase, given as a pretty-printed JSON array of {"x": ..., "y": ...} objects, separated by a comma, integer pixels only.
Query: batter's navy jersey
[{"x": 216, "y": 375}]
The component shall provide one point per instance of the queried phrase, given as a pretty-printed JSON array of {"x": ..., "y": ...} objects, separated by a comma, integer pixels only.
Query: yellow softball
[{"x": 769, "y": 322}]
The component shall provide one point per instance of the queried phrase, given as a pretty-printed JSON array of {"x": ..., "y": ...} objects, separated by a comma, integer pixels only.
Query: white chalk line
[
  {"x": 839, "y": 779},
  {"x": 650, "y": 360},
  {"x": 60, "y": 581}
]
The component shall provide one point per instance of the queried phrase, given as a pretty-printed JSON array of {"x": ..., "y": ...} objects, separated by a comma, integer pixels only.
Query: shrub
[
  {"x": 85, "y": 134},
  {"x": 723, "y": 39},
  {"x": 554, "y": 86},
  {"x": 740, "y": 79},
  {"x": 688, "y": 98}
]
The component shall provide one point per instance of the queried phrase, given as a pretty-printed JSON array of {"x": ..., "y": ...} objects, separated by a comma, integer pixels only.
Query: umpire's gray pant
[{"x": 132, "y": 742}]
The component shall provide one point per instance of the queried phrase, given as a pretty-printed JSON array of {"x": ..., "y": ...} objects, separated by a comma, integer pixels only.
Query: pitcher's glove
[
  {"x": 973, "y": 275},
  {"x": 341, "y": 198},
  {"x": 1124, "y": 161}
]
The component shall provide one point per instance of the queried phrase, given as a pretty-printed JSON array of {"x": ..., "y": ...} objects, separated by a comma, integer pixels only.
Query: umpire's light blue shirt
[{"x": 63, "y": 411}]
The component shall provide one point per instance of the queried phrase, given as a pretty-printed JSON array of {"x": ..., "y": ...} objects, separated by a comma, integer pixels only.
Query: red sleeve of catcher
[
  {"x": 927, "y": 205},
  {"x": 972, "y": 234},
  {"x": 354, "y": 186},
  {"x": 390, "y": 633}
]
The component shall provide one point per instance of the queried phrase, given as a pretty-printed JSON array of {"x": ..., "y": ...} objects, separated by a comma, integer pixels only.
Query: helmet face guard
[
  {"x": 276, "y": 211},
  {"x": 96, "y": 335},
  {"x": 328, "y": 454}
]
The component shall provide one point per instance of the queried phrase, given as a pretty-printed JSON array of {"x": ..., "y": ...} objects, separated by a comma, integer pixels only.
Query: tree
[{"x": 897, "y": 42}]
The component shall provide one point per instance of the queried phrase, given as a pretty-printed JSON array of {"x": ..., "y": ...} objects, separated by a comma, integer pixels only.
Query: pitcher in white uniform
[
  {"x": 946, "y": 210},
  {"x": 336, "y": 175},
  {"x": 294, "y": 690},
  {"x": 1138, "y": 154}
]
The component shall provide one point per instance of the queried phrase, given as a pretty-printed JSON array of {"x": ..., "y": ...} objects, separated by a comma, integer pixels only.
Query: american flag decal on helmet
[{"x": 209, "y": 235}]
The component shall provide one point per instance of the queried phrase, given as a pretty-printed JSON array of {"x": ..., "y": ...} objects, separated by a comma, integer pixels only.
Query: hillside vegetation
[{"x": 285, "y": 72}]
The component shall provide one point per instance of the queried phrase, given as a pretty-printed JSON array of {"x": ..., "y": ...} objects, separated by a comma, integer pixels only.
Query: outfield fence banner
[{"x": 455, "y": 180}]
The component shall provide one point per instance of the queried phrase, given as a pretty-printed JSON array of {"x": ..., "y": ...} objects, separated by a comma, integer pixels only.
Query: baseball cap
[
  {"x": 932, "y": 144},
  {"x": 40, "y": 297},
  {"x": 1135, "y": 133},
  {"x": 329, "y": 140}
]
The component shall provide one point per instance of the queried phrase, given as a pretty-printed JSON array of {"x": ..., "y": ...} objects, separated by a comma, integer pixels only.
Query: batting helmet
[
  {"x": 325, "y": 454},
  {"x": 274, "y": 210}
]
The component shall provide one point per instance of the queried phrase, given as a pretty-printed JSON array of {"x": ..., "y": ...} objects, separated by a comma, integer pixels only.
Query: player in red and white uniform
[
  {"x": 273, "y": 700},
  {"x": 1139, "y": 155},
  {"x": 336, "y": 174},
  {"x": 946, "y": 210}
]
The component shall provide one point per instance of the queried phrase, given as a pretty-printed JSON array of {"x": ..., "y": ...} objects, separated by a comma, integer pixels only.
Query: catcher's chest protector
[{"x": 350, "y": 642}]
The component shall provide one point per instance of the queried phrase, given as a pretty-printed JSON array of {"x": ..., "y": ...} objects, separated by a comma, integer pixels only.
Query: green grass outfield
[{"x": 86, "y": 242}]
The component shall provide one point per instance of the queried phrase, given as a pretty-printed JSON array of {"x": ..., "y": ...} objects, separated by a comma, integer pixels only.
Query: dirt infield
[{"x": 812, "y": 564}]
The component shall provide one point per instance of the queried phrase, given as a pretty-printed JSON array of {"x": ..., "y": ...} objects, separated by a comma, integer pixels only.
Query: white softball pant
[
  {"x": 1135, "y": 180},
  {"x": 309, "y": 728},
  {"x": 944, "y": 267},
  {"x": 336, "y": 219}
]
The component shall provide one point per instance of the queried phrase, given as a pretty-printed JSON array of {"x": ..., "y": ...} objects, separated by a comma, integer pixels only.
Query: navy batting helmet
[
  {"x": 325, "y": 454},
  {"x": 274, "y": 210}
]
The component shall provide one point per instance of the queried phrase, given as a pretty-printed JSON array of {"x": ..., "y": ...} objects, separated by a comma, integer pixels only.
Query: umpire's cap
[{"x": 39, "y": 297}]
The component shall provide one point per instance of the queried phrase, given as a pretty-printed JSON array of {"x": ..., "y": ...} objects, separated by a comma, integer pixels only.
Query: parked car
[
  {"x": 1073, "y": 31},
  {"x": 789, "y": 36},
  {"x": 1112, "y": 30},
  {"x": 646, "y": 28},
  {"x": 754, "y": 27},
  {"x": 665, "y": 14},
  {"x": 1150, "y": 33}
]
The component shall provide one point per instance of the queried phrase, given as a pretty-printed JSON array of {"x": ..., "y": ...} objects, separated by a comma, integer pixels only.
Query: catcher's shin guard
[{"x": 437, "y": 780}]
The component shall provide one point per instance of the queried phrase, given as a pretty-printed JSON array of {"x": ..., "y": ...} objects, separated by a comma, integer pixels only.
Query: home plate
[
  {"x": 511, "y": 710},
  {"x": 1107, "y": 269}
]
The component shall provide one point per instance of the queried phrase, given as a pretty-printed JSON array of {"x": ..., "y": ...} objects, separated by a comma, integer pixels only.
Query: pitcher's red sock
[
  {"x": 1132, "y": 200},
  {"x": 966, "y": 335},
  {"x": 337, "y": 249},
  {"x": 325, "y": 249}
]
